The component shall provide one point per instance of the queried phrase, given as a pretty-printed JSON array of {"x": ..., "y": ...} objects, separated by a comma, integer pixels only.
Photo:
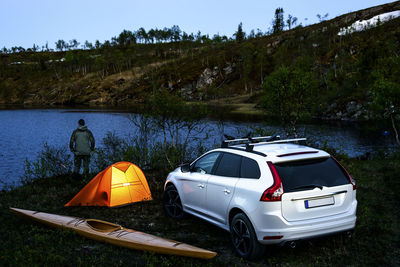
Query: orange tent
[{"x": 121, "y": 183}]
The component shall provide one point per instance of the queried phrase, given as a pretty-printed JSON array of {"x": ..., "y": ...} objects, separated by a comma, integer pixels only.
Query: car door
[
  {"x": 221, "y": 186},
  {"x": 194, "y": 183}
]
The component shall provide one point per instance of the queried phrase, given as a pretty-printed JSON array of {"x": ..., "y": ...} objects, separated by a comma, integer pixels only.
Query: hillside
[{"x": 345, "y": 67}]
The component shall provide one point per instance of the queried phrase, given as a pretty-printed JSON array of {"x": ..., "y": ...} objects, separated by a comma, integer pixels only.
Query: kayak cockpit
[{"x": 102, "y": 226}]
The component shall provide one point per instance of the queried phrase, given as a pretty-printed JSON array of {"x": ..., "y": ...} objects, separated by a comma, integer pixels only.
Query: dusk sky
[{"x": 25, "y": 22}]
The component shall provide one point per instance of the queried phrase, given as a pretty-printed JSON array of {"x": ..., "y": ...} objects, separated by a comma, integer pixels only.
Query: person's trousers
[{"x": 78, "y": 161}]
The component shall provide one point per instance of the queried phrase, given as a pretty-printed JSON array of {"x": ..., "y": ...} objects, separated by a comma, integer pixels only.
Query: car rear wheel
[
  {"x": 172, "y": 203},
  {"x": 244, "y": 238}
]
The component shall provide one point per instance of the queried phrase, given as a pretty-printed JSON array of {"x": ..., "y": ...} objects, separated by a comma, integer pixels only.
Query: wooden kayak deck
[{"x": 116, "y": 234}]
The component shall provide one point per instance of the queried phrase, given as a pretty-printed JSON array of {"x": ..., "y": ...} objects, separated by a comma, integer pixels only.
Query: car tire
[
  {"x": 172, "y": 203},
  {"x": 244, "y": 238}
]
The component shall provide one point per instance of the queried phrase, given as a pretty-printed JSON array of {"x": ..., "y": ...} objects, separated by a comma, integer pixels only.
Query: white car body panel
[
  {"x": 220, "y": 191},
  {"x": 191, "y": 188}
]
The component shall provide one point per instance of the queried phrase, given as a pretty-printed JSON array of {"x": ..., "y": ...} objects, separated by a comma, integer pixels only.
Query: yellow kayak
[{"x": 116, "y": 234}]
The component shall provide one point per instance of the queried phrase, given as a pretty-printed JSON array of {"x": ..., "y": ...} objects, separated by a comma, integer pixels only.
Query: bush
[
  {"x": 112, "y": 151},
  {"x": 289, "y": 92},
  {"x": 52, "y": 161}
]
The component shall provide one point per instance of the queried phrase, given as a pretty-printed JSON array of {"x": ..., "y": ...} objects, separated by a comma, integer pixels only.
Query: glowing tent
[{"x": 120, "y": 184}]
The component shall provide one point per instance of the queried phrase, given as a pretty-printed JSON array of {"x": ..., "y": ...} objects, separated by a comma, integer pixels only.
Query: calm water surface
[{"x": 24, "y": 132}]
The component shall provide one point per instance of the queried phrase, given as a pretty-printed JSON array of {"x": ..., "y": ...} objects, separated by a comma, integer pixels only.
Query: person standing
[{"x": 82, "y": 145}]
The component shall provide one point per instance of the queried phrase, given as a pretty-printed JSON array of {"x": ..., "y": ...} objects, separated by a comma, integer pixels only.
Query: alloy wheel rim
[
  {"x": 174, "y": 205},
  {"x": 241, "y": 237}
]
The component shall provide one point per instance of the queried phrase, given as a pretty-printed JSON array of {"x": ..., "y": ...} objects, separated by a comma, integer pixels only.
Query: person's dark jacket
[{"x": 82, "y": 141}]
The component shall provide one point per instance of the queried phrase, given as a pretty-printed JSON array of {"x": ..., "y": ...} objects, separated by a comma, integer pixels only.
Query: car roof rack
[{"x": 250, "y": 142}]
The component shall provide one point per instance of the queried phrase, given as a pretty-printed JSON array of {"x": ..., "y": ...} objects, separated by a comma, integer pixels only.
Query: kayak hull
[{"x": 116, "y": 234}]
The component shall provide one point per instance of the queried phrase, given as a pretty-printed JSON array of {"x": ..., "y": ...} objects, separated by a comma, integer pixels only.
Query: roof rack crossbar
[
  {"x": 280, "y": 141},
  {"x": 247, "y": 139},
  {"x": 250, "y": 142}
]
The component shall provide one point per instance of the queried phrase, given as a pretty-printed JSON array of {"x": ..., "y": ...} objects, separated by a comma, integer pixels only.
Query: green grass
[{"x": 375, "y": 240}]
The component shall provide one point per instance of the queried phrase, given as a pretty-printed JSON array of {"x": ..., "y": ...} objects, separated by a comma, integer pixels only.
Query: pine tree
[
  {"x": 278, "y": 23},
  {"x": 240, "y": 35},
  {"x": 291, "y": 21}
]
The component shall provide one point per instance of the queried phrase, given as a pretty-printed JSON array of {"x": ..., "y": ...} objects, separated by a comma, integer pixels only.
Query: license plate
[{"x": 320, "y": 202}]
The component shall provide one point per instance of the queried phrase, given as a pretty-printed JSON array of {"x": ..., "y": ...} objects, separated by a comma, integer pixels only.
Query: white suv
[{"x": 264, "y": 191}]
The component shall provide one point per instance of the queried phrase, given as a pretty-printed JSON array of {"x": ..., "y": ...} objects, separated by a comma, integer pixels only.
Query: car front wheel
[
  {"x": 244, "y": 238},
  {"x": 172, "y": 202}
]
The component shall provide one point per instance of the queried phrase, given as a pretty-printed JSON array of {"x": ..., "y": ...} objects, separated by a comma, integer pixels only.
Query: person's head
[{"x": 81, "y": 122}]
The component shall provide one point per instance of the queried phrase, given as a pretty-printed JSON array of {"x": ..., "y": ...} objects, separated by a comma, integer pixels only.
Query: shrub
[
  {"x": 52, "y": 161},
  {"x": 111, "y": 152}
]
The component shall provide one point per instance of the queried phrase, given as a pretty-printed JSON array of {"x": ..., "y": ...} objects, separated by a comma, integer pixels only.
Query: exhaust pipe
[{"x": 292, "y": 244}]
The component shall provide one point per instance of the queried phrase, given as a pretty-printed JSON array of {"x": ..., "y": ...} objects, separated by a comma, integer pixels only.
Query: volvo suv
[{"x": 263, "y": 191}]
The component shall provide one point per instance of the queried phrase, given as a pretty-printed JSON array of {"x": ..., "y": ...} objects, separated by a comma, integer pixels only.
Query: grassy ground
[
  {"x": 241, "y": 104},
  {"x": 375, "y": 240}
]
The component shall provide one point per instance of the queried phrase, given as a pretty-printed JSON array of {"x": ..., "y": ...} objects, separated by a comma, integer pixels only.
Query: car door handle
[
  {"x": 226, "y": 191},
  {"x": 201, "y": 186}
]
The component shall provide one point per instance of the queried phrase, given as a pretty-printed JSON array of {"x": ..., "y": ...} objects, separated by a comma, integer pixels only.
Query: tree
[
  {"x": 198, "y": 36},
  {"x": 386, "y": 91},
  {"x": 97, "y": 44},
  {"x": 264, "y": 63},
  {"x": 278, "y": 24},
  {"x": 246, "y": 53},
  {"x": 322, "y": 18},
  {"x": 176, "y": 33},
  {"x": 252, "y": 35},
  {"x": 217, "y": 38},
  {"x": 205, "y": 39},
  {"x": 288, "y": 93},
  {"x": 291, "y": 21},
  {"x": 166, "y": 34},
  {"x": 259, "y": 33},
  {"x": 176, "y": 125},
  {"x": 239, "y": 34},
  {"x": 73, "y": 44},
  {"x": 61, "y": 45},
  {"x": 35, "y": 48},
  {"x": 152, "y": 34},
  {"x": 46, "y": 47},
  {"x": 141, "y": 34},
  {"x": 125, "y": 38},
  {"x": 185, "y": 36},
  {"x": 87, "y": 45}
]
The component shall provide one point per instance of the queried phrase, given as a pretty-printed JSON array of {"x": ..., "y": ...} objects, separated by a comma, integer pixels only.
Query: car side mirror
[{"x": 185, "y": 167}]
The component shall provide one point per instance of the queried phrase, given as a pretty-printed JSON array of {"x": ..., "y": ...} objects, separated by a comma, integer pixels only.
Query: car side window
[
  {"x": 229, "y": 165},
  {"x": 205, "y": 164},
  {"x": 249, "y": 169}
]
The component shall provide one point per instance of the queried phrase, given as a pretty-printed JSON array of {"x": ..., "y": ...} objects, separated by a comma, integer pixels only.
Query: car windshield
[{"x": 309, "y": 174}]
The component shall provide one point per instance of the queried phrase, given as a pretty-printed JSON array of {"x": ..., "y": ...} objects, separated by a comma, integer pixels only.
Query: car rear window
[
  {"x": 249, "y": 169},
  {"x": 307, "y": 174},
  {"x": 228, "y": 165}
]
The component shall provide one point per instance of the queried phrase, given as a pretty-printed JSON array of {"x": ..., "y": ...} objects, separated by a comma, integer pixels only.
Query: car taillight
[
  {"x": 351, "y": 179},
  {"x": 274, "y": 192}
]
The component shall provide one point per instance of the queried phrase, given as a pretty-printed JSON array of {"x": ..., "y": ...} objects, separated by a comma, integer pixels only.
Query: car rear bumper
[{"x": 272, "y": 228}]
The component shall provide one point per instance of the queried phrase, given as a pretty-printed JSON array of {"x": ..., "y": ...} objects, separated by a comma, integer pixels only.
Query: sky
[{"x": 26, "y": 22}]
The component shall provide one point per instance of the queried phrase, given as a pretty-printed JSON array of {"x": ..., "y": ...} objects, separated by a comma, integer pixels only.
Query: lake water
[{"x": 24, "y": 132}]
